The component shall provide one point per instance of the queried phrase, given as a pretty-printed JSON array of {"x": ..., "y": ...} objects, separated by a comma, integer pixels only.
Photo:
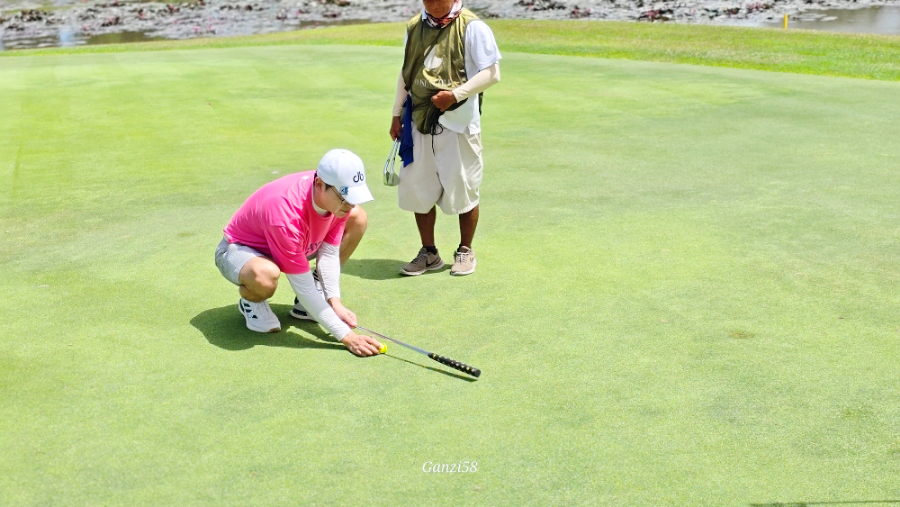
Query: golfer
[
  {"x": 450, "y": 58},
  {"x": 286, "y": 223}
]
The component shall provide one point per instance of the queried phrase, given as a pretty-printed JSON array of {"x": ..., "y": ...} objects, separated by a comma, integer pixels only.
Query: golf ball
[{"x": 383, "y": 349}]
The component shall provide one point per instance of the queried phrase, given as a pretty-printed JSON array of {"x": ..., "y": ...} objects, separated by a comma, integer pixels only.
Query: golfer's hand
[
  {"x": 443, "y": 99},
  {"x": 360, "y": 344},
  {"x": 396, "y": 127},
  {"x": 342, "y": 312}
]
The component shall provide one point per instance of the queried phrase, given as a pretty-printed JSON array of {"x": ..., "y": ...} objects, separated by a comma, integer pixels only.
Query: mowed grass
[
  {"x": 686, "y": 292},
  {"x": 796, "y": 51}
]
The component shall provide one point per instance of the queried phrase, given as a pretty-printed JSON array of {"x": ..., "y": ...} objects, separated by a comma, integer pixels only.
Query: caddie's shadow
[
  {"x": 225, "y": 328},
  {"x": 378, "y": 269}
]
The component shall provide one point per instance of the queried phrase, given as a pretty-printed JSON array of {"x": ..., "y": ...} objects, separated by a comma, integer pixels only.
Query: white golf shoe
[{"x": 260, "y": 317}]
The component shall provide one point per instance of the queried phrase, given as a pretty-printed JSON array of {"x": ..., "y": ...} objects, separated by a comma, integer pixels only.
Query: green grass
[
  {"x": 796, "y": 51},
  {"x": 686, "y": 292}
]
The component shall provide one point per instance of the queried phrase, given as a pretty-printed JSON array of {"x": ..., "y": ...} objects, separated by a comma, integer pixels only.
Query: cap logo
[
  {"x": 343, "y": 190},
  {"x": 359, "y": 177}
]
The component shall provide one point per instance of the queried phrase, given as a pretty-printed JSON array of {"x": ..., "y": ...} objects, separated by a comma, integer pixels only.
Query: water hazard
[
  {"x": 881, "y": 20},
  {"x": 52, "y": 23},
  {"x": 80, "y": 22}
]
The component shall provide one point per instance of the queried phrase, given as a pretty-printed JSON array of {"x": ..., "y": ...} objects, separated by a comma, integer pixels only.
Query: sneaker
[
  {"x": 259, "y": 316},
  {"x": 298, "y": 312},
  {"x": 463, "y": 262},
  {"x": 423, "y": 262}
]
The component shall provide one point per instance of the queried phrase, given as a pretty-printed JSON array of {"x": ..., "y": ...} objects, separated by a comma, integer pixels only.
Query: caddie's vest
[{"x": 434, "y": 60}]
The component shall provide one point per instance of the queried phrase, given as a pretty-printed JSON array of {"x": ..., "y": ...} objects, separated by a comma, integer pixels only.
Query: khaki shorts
[{"x": 447, "y": 171}]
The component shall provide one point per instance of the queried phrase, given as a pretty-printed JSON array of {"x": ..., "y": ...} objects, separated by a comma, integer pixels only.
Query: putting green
[{"x": 686, "y": 290}]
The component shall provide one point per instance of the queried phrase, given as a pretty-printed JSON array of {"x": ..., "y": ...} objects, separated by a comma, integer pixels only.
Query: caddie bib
[{"x": 434, "y": 61}]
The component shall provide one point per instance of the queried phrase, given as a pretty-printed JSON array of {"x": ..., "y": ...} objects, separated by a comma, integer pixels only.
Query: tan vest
[{"x": 434, "y": 60}]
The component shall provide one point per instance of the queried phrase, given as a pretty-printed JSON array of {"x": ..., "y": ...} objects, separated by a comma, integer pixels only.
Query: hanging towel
[{"x": 406, "y": 139}]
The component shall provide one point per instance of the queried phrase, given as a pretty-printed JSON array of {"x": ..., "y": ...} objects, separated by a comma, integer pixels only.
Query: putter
[
  {"x": 475, "y": 372},
  {"x": 391, "y": 178}
]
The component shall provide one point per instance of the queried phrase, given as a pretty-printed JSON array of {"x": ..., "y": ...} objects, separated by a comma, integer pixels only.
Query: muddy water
[
  {"x": 35, "y": 23},
  {"x": 48, "y": 23},
  {"x": 882, "y": 20},
  {"x": 68, "y": 36}
]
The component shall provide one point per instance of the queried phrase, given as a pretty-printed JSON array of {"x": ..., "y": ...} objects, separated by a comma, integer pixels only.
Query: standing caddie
[{"x": 450, "y": 58}]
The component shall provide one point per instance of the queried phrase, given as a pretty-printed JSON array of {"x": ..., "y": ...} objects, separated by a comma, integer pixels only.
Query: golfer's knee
[
  {"x": 356, "y": 223},
  {"x": 260, "y": 278},
  {"x": 266, "y": 285}
]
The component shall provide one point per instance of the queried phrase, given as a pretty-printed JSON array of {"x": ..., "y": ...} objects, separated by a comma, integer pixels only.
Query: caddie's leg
[
  {"x": 467, "y": 224},
  {"x": 259, "y": 279},
  {"x": 353, "y": 232},
  {"x": 427, "y": 259},
  {"x": 464, "y": 257},
  {"x": 425, "y": 223}
]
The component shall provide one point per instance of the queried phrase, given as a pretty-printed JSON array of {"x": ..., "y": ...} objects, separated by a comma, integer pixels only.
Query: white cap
[{"x": 344, "y": 170}]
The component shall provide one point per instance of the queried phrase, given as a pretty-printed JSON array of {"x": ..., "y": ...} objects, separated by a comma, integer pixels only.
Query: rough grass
[{"x": 796, "y": 51}]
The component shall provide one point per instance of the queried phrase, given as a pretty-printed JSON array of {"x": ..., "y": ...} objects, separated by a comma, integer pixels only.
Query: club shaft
[{"x": 398, "y": 342}]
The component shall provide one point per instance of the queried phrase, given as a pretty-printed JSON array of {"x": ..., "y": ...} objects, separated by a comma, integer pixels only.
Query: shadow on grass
[
  {"x": 379, "y": 269},
  {"x": 224, "y": 327},
  {"x": 445, "y": 372}
]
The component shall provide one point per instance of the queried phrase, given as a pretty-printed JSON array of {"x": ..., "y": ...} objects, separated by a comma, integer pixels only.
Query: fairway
[{"x": 686, "y": 294}]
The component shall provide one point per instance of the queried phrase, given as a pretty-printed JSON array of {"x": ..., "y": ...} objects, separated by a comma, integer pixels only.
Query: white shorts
[
  {"x": 231, "y": 257},
  {"x": 446, "y": 171}
]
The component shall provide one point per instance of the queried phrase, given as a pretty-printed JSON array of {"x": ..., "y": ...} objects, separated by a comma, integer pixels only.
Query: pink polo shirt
[{"x": 279, "y": 220}]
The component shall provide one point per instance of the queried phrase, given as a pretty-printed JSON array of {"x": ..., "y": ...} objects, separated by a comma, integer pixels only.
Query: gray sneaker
[
  {"x": 463, "y": 262},
  {"x": 423, "y": 262}
]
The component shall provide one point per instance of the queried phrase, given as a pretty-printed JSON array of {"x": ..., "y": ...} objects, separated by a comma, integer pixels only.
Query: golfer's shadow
[
  {"x": 225, "y": 328},
  {"x": 377, "y": 269}
]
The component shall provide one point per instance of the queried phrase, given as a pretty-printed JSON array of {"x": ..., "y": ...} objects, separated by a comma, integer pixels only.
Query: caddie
[{"x": 450, "y": 58}]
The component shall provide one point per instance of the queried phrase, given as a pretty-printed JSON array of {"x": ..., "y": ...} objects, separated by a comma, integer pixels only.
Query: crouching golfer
[{"x": 288, "y": 222}]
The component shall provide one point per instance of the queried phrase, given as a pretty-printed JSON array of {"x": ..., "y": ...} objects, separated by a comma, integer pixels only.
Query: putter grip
[{"x": 475, "y": 372}]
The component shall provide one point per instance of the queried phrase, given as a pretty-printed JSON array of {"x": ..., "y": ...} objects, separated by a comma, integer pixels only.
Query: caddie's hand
[
  {"x": 361, "y": 345},
  {"x": 396, "y": 127},
  {"x": 342, "y": 312},
  {"x": 443, "y": 99}
]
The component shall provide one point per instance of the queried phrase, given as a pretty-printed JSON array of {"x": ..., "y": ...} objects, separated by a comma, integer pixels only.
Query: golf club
[
  {"x": 475, "y": 372},
  {"x": 391, "y": 178}
]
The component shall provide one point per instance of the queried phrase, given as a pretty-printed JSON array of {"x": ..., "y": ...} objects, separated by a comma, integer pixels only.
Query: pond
[
  {"x": 50, "y": 23},
  {"x": 66, "y": 23},
  {"x": 882, "y": 20}
]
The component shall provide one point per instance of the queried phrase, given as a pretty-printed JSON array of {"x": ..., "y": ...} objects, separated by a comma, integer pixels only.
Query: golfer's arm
[
  {"x": 480, "y": 82},
  {"x": 328, "y": 262},
  {"x": 401, "y": 95},
  {"x": 314, "y": 303}
]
